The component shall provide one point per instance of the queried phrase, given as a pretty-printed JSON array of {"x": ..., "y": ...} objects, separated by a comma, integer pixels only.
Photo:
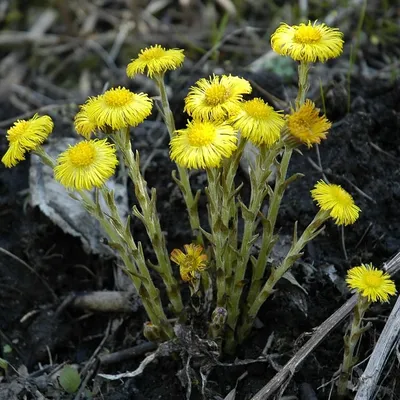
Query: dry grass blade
[{"x": 392, "y": 267}]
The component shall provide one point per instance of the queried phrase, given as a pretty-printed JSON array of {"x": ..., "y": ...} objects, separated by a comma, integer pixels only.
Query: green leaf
[
  {"x": 69, "y": 379},
  {"x": 3, "y": 364},
  {"x": 7, "y": 349}
]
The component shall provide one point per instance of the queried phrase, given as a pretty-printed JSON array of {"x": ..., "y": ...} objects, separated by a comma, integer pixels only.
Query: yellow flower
[
  {"x": 86, "y": 165},
  {"x": 337, "y": 201},
  {"x": 24, "y": 136},
  {"x": 306, "y": 126},
  {"x": 203, "y": 144},
  {"x": 84, "y": 123},
  {"x": 217, "y": 98},
  {"x": 118, "y": 108},
  {"x": 371, "y": 283},
  {"x": 258, "y": 122},
  {"x": 307, "y": 43},
  {"x": 191, "y": 263},
  {"x": 155, "y": 60}
]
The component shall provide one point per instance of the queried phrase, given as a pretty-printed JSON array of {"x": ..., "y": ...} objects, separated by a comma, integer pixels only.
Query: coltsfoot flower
[
  {"x": 258, "y": 122},
  {"x": 307, "y": 126},
  {"x": 191, "y": 263},
  {"x": 155, "y": 60},
  {"x": 307, "y": 42},
  {"x": 84, "y": 122},
  {"x": 25, "y": 136},
  {"x": 203, "y": 144},
  {"x": 86, "y": 165},
  {"x": 337, "y": 201},
  {"x": 216, "y": 98},
  {"x": 371, "y": 283},
  {"x": 116, "y": 108}
]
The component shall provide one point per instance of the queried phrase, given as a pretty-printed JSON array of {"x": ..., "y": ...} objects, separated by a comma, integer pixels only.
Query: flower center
[
  {"x": 18, "y": 131},
  {"x": 257, "y": 109},
  {"x": 190, "y": 262},
  {"x": 342, "y": 197},
  {"x": 201, "y": 134},
  {"x": 216, "y": 94},
  {"x": 82, "y": 154},
  {"x": 372, "y": 280},
  {"x": 117, "y": 97},
  {"x": 307, "y": 34},
  {"x": 152, "y": 53}
]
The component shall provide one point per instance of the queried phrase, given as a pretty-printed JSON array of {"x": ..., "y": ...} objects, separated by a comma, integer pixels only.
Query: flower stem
[
  {"x": 312, "y": 230},
  {"x": 268, "y": 241},
  {"x": 183, "y": 180},
  {"x": 259, "y": 189},
  {"x": 304, "y": 68},
  {"x": 45, "y": 157},
  {"x": 219, "y": 232},
  {"x": 350, "y": 343},
  {"x": 228, "y": 210},
  {"x": 149, "y": 216},
  {"x": 132, "y": 257}
]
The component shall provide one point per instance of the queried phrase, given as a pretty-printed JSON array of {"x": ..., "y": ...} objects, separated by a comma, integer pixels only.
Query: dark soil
[{"x": 361, "y": 154}]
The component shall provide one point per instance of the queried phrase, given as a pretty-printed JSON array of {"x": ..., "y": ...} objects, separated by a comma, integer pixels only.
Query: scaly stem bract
[
  {"x": 183, "y": 180},
  {"x": 149, "y": 216}
]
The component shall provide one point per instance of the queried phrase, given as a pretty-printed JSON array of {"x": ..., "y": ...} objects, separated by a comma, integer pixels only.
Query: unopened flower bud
[{"x": 151, "y": 332}]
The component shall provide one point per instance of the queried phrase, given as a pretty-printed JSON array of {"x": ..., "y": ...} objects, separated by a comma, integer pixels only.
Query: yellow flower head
[
  {"x": 337, "y": 201},
  {"x": 307, "y": 126},
  {"x": 203, "y": 144},
  {"x": 371, "y": 283},
  {"x": 307, "y": 43},
  {"x": 258, "y": 122},
  {"x": 86, "y": 165},
  {"x": 191, "y": 263},
  {"x": 118, "y": 108},
  {"x": 84, "y": 123},
  {"x": 155, "y": 60},
  {"x": 217, "y": 98},
  {"x": 24, "y": 136}
]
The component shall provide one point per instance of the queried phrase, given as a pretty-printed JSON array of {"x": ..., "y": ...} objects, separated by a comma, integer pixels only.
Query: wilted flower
[
  {"x": 307, "y": 126},
  {"x": 191, "y": 263}
]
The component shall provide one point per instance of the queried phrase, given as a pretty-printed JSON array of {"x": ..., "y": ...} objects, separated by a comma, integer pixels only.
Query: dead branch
[
  {"x": 105, "y": 301},
  {"x": 127, "y": 354}
]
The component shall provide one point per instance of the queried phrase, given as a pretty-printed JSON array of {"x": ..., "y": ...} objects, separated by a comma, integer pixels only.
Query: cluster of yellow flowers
[{"x": 221, "y": 117}]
